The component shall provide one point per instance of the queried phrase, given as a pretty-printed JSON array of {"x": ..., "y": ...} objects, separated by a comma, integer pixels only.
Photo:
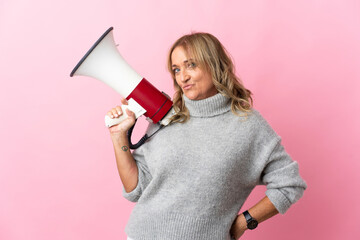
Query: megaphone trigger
[{"x": 135, "y": 107}]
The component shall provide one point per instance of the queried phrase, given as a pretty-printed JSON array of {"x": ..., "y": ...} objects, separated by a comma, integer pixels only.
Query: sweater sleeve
[
  {"x": 282, "y": 179},
  {"x": 144, "y": 178},
  {"x": 144, "y": 175}
]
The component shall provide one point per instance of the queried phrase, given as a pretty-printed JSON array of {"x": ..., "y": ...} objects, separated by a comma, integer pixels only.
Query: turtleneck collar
[{"x": 208, "y": 107}]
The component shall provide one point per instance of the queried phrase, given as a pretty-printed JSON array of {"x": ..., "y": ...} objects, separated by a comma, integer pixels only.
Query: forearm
[
  {"x": 125, "y": 162},
  {"x": 261, "y": 211}
]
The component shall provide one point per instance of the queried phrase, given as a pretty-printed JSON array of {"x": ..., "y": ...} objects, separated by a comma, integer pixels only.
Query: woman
[{"x": 192, "y": 177}]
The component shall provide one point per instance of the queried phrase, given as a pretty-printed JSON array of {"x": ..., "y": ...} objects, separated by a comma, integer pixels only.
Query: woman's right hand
[{"x": 121, "y": 128}]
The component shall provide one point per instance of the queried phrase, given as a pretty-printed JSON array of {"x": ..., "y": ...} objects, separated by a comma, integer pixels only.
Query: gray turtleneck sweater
[{"x": 195, "y": 176}]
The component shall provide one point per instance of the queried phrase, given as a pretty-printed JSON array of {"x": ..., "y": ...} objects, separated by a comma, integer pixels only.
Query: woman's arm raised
[{"x": 126, "y": 165}]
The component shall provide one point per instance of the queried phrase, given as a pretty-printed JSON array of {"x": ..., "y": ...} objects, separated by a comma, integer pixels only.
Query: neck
[{"x": 208, "y": 107}]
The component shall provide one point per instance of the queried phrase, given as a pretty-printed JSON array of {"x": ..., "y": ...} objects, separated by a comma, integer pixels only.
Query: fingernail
[
  {"x": 112, "y": 116},
  {"x": 119, "y": 112}
]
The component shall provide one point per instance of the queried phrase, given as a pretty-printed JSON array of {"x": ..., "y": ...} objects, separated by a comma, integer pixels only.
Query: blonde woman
[{"x": 192, "y": 177}]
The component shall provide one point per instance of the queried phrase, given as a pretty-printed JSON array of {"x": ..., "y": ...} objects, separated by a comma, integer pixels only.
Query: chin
[{"x": 192, "y": 96}]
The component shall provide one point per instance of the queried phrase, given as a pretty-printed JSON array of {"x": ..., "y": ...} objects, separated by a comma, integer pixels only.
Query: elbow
[
  {"x": 283, "y": 198},
  {"x": 132, "y": 196}
]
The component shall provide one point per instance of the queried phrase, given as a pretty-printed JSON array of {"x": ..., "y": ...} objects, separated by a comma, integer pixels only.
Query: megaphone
[{"x": 104, "y": 62}]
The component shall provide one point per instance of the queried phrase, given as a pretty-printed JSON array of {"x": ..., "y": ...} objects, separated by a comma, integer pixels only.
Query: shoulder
[{"x": 256, "y": 123}]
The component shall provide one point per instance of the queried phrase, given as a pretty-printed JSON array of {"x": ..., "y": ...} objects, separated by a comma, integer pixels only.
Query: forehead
[{"x": 179, "y": 55}]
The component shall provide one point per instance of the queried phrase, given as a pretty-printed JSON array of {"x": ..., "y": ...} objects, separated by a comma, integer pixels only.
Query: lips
[{"x": 186, "y": 87}]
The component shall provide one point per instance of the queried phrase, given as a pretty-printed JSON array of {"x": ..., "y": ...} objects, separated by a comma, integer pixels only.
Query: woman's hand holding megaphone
[{"x": 123, "y": 116}]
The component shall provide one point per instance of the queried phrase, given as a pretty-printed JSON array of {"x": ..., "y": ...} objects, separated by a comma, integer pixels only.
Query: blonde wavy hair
[{"x": 210, "y": 55}]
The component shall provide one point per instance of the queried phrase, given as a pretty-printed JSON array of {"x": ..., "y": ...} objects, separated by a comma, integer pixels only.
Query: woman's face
[{"x": 195, "y": 83}]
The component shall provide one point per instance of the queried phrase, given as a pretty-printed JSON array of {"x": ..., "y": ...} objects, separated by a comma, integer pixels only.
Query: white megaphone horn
[{"x": 104, "y": 62}]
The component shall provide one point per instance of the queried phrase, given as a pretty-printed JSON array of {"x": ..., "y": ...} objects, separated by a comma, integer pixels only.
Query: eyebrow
[{"x": 186, "y": 61}]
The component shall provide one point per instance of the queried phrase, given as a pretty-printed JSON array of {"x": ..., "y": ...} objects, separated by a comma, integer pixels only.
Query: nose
[{"x": 184, "y": 76}]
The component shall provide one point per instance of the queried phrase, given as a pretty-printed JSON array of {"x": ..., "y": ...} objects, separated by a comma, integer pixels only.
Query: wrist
[
  {"x": 241, "y": 222},
  {"x": 119, "y": 136},
  {"x": 251, "y": 223}
]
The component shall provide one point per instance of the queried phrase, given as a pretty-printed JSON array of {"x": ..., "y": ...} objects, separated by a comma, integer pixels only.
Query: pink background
[{"x": 58, "y": 176}]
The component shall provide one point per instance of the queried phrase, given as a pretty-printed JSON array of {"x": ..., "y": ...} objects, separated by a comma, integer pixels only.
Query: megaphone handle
[
  {"x": 132, "y": 106},
  {"x": 109, "y": 122}
]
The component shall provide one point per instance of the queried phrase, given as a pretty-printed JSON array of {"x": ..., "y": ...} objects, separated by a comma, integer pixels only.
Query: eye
[
  {"x": 176, "y": 70},
  {"x": 191, "y": 65}
]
